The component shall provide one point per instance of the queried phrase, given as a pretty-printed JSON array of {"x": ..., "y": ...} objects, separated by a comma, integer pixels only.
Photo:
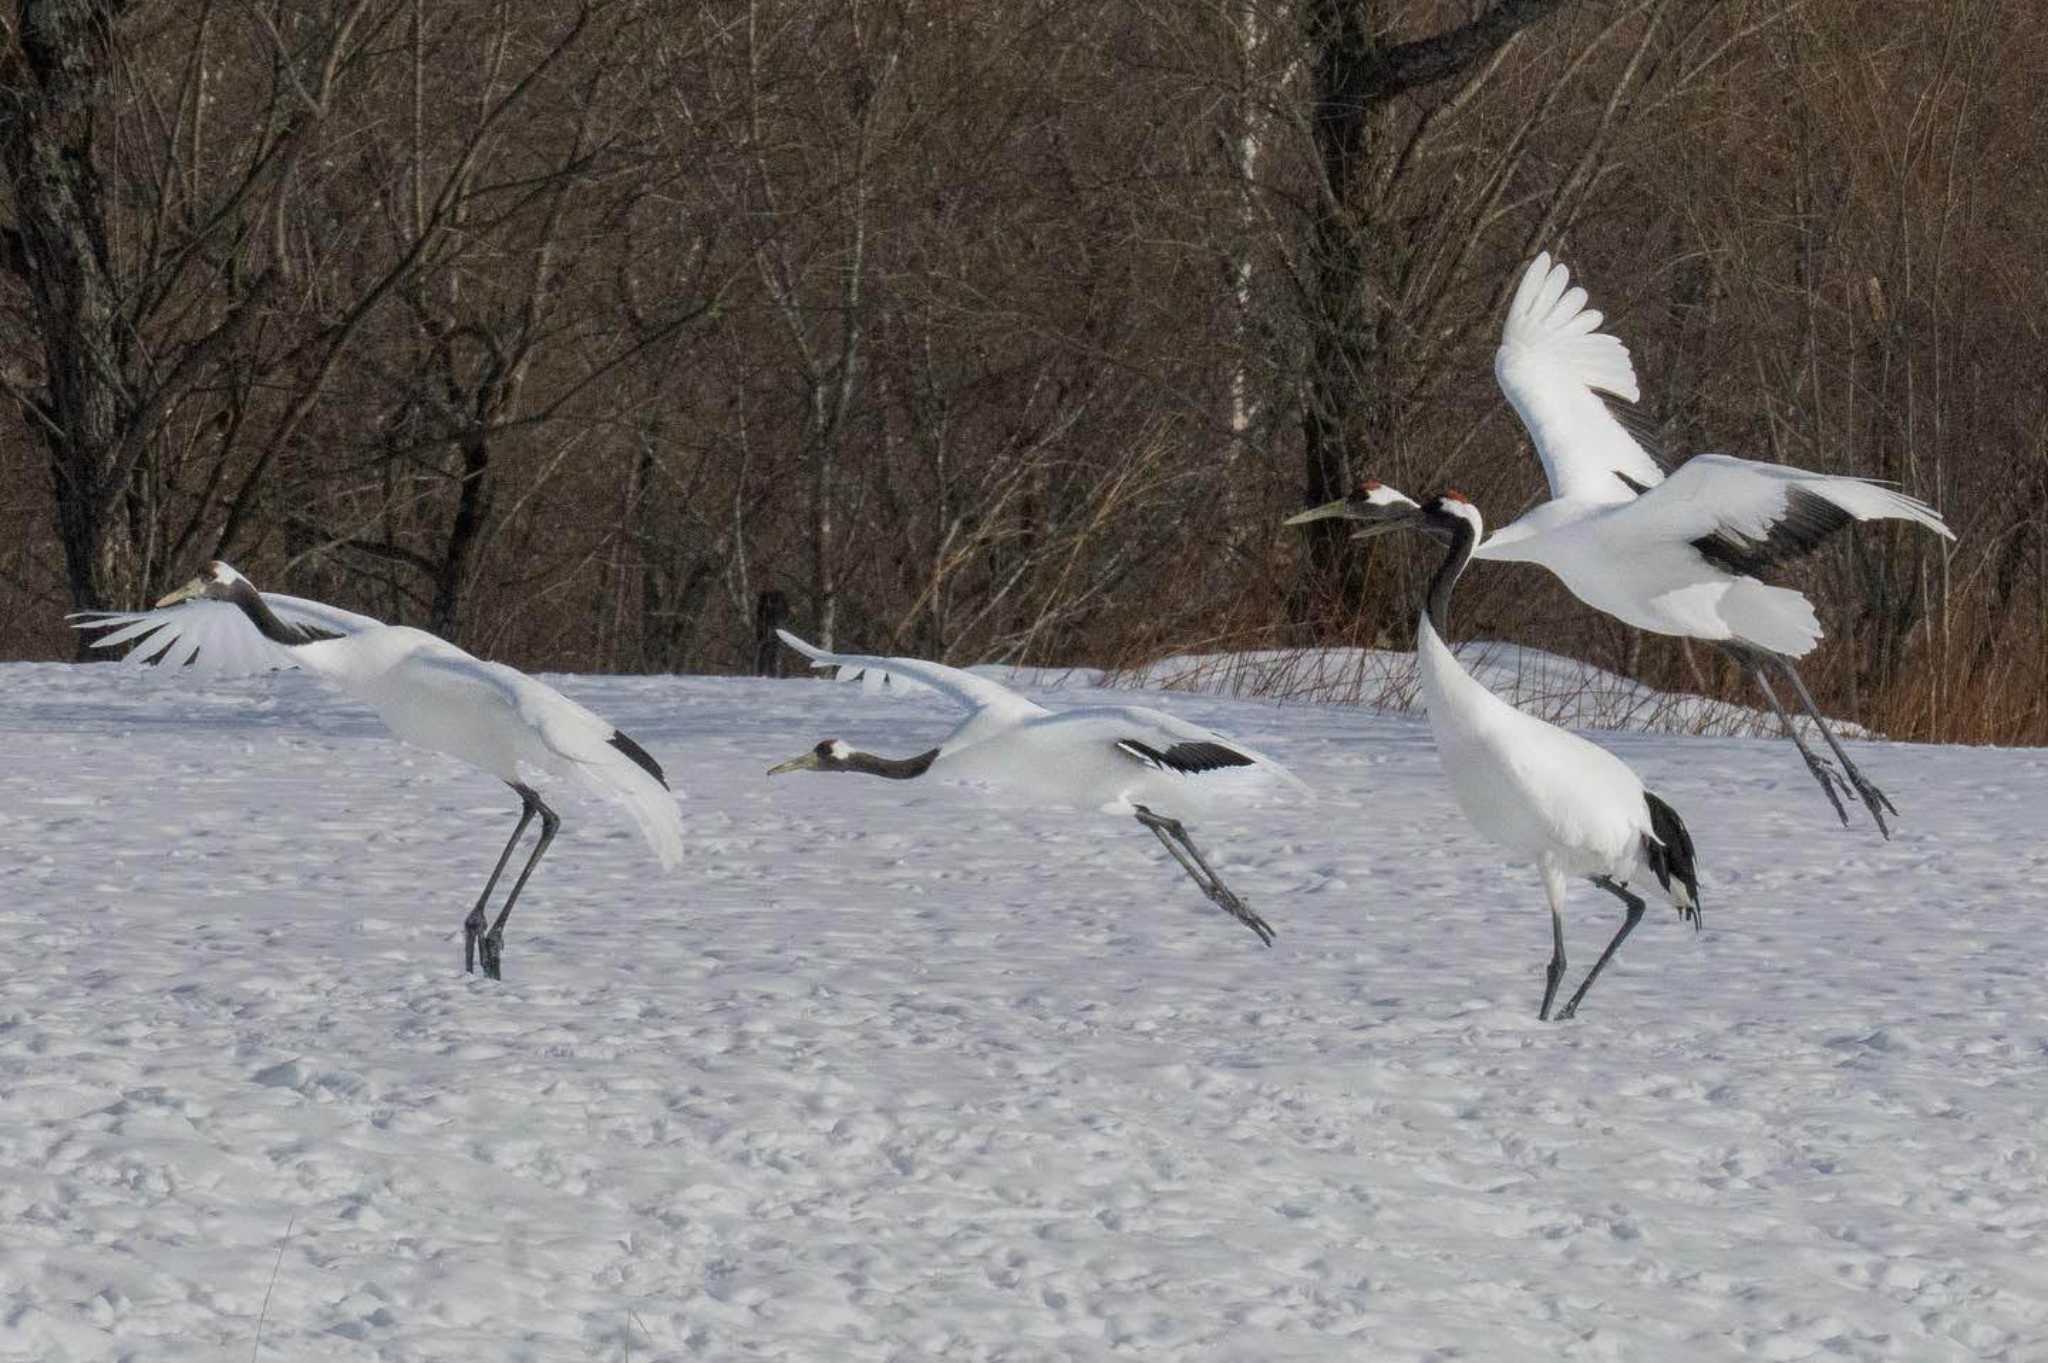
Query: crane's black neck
[
  {"x": 1462, "y": 540},
  {"x": 895, "y": 768},
  {"x": 252, "y": 604}
]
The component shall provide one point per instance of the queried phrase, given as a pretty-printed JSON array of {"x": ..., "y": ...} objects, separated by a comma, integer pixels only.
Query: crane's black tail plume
[{"x": 1669, "y": 852}]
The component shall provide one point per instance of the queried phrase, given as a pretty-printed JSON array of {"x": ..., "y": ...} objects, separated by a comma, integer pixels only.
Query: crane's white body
[
  {"x": 1068, "y": 757},
  {"x": 1618, "y": 532},
  {"x": 1541, "y": 793},
  {"x": 426, "y": 690}
]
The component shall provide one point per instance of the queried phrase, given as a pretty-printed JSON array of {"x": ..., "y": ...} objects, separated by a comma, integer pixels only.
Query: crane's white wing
[
  {"x": 911, "y": 675},
  {"x": 1553, "y": 364},
  {"x": 215, "y": 637},
  {"x": 1745, "y": 517}
]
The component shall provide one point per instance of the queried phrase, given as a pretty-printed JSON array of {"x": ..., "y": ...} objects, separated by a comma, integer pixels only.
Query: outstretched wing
[
  {"x": 215, "y": 637},
  {"x": 1553, "y": 364},
  {"x": 908, "y": 675},
  {"x": 1745, "y": 517}
]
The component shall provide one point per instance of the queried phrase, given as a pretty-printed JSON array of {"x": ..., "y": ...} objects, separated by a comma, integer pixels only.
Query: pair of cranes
[{"x": 1676, "y": 555}]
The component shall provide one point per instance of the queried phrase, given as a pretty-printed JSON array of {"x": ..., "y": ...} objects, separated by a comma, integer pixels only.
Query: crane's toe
[
  {"x": 1832, "y": 785},
  {"x": 472, "y": 931},
  {"x": 1227, "y": 900},
  {"x": 1873, "y": 799},
  {"x": 491, "y": 951}
]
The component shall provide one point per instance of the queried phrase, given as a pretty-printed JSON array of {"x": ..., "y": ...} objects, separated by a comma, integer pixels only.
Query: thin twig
[{"x": 264, "y": 1314}]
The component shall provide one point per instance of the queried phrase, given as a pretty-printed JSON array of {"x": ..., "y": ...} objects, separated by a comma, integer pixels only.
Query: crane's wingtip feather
[
  {"x": 809, "y": 650},
  {"x": 639, "y": 756}
]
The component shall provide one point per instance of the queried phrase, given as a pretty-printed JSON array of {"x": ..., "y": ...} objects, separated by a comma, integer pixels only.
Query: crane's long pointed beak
[
  {"x": 1318, "y": 513},
  {"x": 807, "y": 762},
  {"x": 1392, "y": 520},
  {"x": 1371, "y": 517},
  {"x": 196, "y": 587}
]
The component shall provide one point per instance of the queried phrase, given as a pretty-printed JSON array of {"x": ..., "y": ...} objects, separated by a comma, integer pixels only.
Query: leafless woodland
[{"x": 1003, "y": 329}]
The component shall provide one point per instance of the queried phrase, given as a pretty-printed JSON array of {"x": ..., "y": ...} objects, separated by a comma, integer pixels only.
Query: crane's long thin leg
[
  {"x": 492, "y": 946},
  {"x": 1873, "y": 799},
  {"x": 473, "y": 926},
  {"x": 1628, "y": 925},
  {"x": 1553, "y": 890},
  {"x": 1175, "y": 837},
  {"x": 1823, "y": 771}
]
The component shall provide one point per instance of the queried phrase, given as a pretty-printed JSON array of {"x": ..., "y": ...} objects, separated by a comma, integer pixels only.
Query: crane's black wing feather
[{"x": 1189, "y": 757}]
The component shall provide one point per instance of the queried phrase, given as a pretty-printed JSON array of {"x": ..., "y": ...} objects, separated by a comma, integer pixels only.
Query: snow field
[{"x": 893, "y": 1072}]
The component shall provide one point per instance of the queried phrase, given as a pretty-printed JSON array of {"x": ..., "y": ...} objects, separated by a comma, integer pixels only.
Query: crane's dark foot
[
  {"x": 1552, "y": 978},
  {"x": 472, "y": 933},
  {"x": 1832, "y": 784},
  {"x": 491, "y": 950},
  {"x": 1226, "y": 899},
  {"x": 1873, "y": 799}
]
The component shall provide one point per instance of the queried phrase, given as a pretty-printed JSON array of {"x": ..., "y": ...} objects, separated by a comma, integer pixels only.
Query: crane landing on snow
[
  {"x": 1122, "y": 760},
  {"x": 428, "y": 691}
]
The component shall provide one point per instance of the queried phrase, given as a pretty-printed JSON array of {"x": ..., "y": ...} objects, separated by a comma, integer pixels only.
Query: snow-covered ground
[{"x": 887, "y": 1072}]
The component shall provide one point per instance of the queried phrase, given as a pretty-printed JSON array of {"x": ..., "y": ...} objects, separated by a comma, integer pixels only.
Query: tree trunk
[
  {"x": 1347, "y": 408},
  {"x": 1335, "y": 411},
  {"x": 52, "y": 83}
]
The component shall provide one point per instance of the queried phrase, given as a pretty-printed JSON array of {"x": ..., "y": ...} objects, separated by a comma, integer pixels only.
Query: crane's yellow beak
[
  {"x": 807, "y": 762},
  {"x": 196, "y": 587}
]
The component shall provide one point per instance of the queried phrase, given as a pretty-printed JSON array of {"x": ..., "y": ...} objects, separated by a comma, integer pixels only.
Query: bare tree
[{"x": 1356, "y": 74}]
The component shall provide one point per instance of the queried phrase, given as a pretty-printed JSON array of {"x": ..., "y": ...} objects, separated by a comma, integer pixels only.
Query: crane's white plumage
[
  {"x": 1553, "y": 364},
  {"x": 426, "y": 690},
  {"x": 1125, "y": 759},
  {"x": 1680, "y": 558},
  {"x": 1541, "y": 792}
]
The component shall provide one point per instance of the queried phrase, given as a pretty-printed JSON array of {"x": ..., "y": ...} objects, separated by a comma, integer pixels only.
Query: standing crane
[{"x": 1546, "y": 795}]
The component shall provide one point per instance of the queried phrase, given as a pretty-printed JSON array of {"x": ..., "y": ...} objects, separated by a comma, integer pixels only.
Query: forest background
[{"x": 1004, "y": 329}]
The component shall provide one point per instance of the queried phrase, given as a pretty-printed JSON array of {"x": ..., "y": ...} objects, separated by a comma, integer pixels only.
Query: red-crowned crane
[
  {"x": 428, "y": 691},
  {"x": 1122, "y": 760}
]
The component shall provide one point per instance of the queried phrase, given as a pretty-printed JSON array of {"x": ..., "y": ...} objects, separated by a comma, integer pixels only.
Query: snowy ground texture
[{"x": 886, "y": 1072}]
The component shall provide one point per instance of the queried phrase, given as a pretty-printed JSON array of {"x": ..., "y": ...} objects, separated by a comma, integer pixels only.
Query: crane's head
[
  {"x": 217, "y": 583},
  {"x": 1377, "y": 509},
  {"x": 830, "y": 755},
  {"x": 1449, "y": 512}
]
